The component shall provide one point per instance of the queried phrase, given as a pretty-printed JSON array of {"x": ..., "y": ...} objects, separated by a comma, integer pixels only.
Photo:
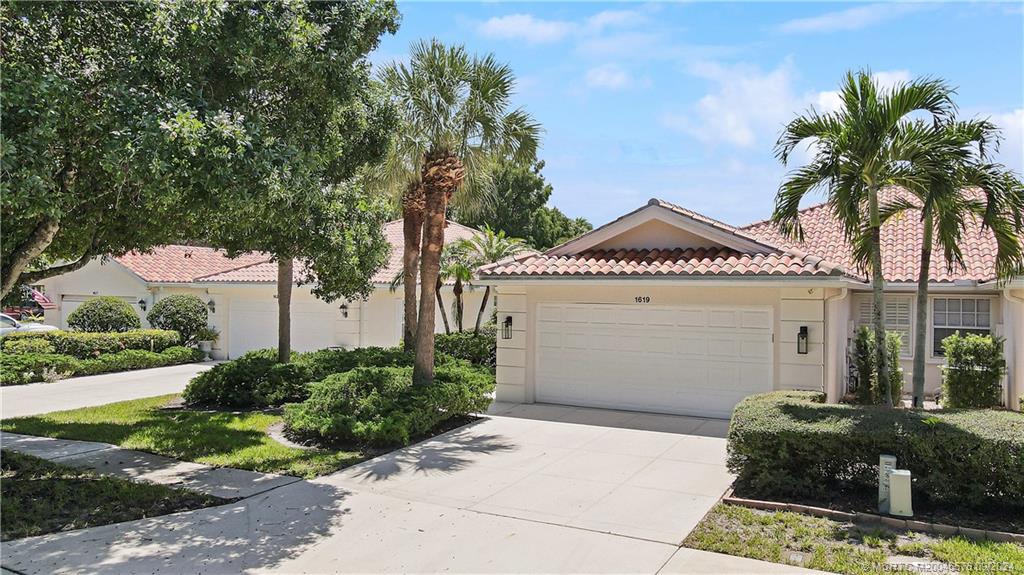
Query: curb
[{"x": 877, "y": 520}]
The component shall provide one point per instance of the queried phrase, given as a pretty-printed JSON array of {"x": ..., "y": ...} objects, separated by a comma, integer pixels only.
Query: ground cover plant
[
  {"x": 40, "y": 496},
  {"x": 827, "y": 545}
]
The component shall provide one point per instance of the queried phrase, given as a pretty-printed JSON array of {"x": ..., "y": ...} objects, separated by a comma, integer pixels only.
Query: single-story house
[
  {"x": 241, "y": 295},
  {"x": 667, "y": 310}
]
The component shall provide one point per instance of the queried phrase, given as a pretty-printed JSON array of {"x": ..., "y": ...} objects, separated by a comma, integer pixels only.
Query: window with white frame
[
  {"x": 896, "y": 313},
  {"x": 953, "y": 314}
]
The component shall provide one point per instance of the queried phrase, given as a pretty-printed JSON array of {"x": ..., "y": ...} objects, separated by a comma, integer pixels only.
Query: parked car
[{"x": 8, "y": 324}]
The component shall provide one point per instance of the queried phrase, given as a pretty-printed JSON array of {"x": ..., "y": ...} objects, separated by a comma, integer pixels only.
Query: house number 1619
[{"x": 643, "y": 299}]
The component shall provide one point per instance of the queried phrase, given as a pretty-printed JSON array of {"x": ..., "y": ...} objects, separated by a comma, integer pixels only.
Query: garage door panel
[{"x": 679, "y": 359}]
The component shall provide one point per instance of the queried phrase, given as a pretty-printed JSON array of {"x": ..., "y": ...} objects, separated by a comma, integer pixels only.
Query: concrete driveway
[
  {"x": 530, "y": 489},
  {"x": 36, "y": 398}
]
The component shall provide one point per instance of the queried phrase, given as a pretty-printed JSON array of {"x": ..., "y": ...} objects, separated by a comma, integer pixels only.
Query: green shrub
[
  {"x": 253, "y": 380},
  {"x": 476, "y": 349},
  {"x": 328, "y": 361},
  {"x": 791, "y": 444},
  {"x": 974, "y": 371},
  {"x": 18, "y": 369},
  {"x": 380, "y": 406},
  {"x": 27, "y": 345},
  {"x": 867, "y": 391},
  {"x": 180, "y": 354},
  {"x": 183, "y": 313},
  {"x": 104, "y": 313},
  {"x": 90, "y": 345}
]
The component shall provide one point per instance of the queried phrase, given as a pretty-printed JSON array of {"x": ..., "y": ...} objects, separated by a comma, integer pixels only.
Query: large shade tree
[
  {"x": 958, "y": 185},
  {"x": 125, "y": 124},
  {"x": 456, "y": 121},
  {"x": 858, "y": 151}
]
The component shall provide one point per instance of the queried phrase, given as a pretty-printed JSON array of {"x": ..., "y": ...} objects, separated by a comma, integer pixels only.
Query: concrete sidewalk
[
  {"x": 37, "y": 398},
  {"x": 224, "y": 482}
]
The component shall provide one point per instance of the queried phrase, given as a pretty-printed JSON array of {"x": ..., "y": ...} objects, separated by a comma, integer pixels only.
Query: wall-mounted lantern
[
  {"x": 344, "y": 310},
  {"x": 210, "y": 305},
  {"x": 801, "y": 341},
  {"x": 142, "y": 304},
  {"x": 506, "y": 328}
]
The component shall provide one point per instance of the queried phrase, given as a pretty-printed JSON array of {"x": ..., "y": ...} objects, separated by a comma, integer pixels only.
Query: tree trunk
[
  {"x": 878, "y": 287},
  {"x": 440, "y": 306},
  {"x": 921, "y": 313},
  {"x": 483, "y": 308},
  {"x": 25, "y": 252},
  {"x": 442, "y": 175},
  {"x": 412, "y": 229},
  {"x": 457, "y": 292},
  {"x": 284, "y": 310}
]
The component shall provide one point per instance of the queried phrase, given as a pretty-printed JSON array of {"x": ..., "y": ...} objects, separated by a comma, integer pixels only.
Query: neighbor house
[
  {"x": 241, "y": 295},
  {"x": 667, "y": 310}
]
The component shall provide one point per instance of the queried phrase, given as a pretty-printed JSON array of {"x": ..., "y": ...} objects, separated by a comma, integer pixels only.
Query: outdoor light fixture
[
  {"x": 142, "y": 304},
  {"x": 506, "y": 328},
  {"x": 210, "y": 305},
  {"x": 344, "y": 310},
  {"x": 801, "y": 341}
]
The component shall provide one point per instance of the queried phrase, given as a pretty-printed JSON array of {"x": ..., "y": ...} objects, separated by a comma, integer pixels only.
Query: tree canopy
[{"x": 117, "y": 137}]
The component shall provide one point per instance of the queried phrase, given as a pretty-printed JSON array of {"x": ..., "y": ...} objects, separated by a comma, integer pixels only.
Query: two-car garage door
[{"x": 691, "y": 360}]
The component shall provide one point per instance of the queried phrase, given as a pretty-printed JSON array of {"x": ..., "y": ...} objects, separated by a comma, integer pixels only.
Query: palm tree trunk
[
  {"x": 442, "y": 175},
  {"x": 440, "y": 306},
  {"x": 921, "y": 314},
  {"x": 412, "y": 228},
  {"x": 284, "y": 310},
  {"x": 457, "y": 292},
  {"x": 878, "y": 287},
  {"x": 483, "y": 308}
]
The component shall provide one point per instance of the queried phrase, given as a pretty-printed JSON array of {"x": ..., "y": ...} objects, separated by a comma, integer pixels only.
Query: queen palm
[
  {"x": 487, "y": 248},
  {"x": 456, "y": 120},
  {"x": 958, "y": 185},
  {"x": 858, "y": 152}
]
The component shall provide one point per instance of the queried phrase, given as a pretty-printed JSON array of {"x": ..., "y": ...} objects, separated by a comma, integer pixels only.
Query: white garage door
[
  {"x": 690, "y": 360},
  {"x": 253, "y": 325}
]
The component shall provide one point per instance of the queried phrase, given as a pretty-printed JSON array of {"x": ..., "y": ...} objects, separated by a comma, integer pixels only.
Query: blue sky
[{"x": 683, "y": 101}]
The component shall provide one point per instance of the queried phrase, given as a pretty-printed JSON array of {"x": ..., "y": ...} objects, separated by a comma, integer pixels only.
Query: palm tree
[
  {"x": 456, "y": 121},
  {"x": 457, "y": 266},
  {"x": 959, "y": 185},
  {"x": 858, "y": 152},
  {"x": 487, "y": 248}
]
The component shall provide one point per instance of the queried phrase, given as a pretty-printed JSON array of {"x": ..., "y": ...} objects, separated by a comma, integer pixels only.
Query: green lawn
[
  {"x": 215, "y": 438},
  {"x": 39, "y": 497},
  {"x": 819, "y": 543}
]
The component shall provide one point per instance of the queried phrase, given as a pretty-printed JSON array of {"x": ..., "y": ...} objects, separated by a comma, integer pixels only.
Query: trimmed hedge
[
  {"x": 480, "y": 349},
  {"x": 183, "y": 313},
  {"x": 793, "y": 444},
  {"x": 27, "y": 345},
  {"x": 104, "y": 313},
  {"x": 380, "y": 406},
  {"x": 85, "y": 345},
  {"x": 17, "y": 369},
  {"x": 975, "y": 372}
]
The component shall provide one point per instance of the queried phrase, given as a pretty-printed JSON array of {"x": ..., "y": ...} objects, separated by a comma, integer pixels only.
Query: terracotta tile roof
[
  {"x": 901, "y": 245},
  {"x": 678, "y": 262},
  {"x": 182, "y": 264},
  {"x": 187, "y": 264}
]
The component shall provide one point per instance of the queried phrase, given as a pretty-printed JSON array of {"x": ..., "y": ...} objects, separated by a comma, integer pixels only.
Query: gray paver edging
[{"x": 872, "y": 519}]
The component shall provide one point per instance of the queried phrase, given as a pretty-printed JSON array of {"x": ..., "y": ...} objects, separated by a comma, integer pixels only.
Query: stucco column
[
  {"x": 837, "y": 316},
  {"x": 1013, "y": 329}
]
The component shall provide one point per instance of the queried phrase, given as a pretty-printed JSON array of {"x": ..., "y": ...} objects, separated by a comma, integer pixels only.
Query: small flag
[{"x": 41, "y": 299}]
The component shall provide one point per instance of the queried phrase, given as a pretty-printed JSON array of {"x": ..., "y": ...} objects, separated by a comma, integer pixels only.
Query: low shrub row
[
  {"x": 477, "y": 349},
  {"x": 791, "y": 444},
  {"x": 21, "y": 368},
  {"x": 84, "y": 345},
  {"x": 379, "y": 406}
]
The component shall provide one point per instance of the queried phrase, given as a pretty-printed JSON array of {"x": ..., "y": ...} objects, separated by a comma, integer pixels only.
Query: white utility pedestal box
[{"x": 899, "y": 493}]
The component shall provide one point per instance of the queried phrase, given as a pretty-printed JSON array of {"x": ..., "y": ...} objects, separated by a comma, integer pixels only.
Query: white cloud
[
  {"x": 612, "y": 18},
  {"x": 888, "y": 80},
  {"x": 526, "y": 27},
  {"x": 849, "y": 19},
  {"x": 1011, "y": 151},
  {"x": 608, "y": 76}
]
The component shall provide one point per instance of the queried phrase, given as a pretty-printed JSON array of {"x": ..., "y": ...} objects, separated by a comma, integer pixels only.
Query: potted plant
[{"x": 206, "y": 336}]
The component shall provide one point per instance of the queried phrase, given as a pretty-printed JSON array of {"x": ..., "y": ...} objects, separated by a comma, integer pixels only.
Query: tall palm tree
[
  {"x": 858, "y": 151},
  {"x": 456, "y": 116},
  {"x": 959, "y": 185},
  {"x": 457, "y": 266},
  {"x": 487, "y": 248}
]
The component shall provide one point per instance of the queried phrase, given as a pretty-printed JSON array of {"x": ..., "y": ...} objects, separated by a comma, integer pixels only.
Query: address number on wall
[{"x": 642, "y": 299}]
